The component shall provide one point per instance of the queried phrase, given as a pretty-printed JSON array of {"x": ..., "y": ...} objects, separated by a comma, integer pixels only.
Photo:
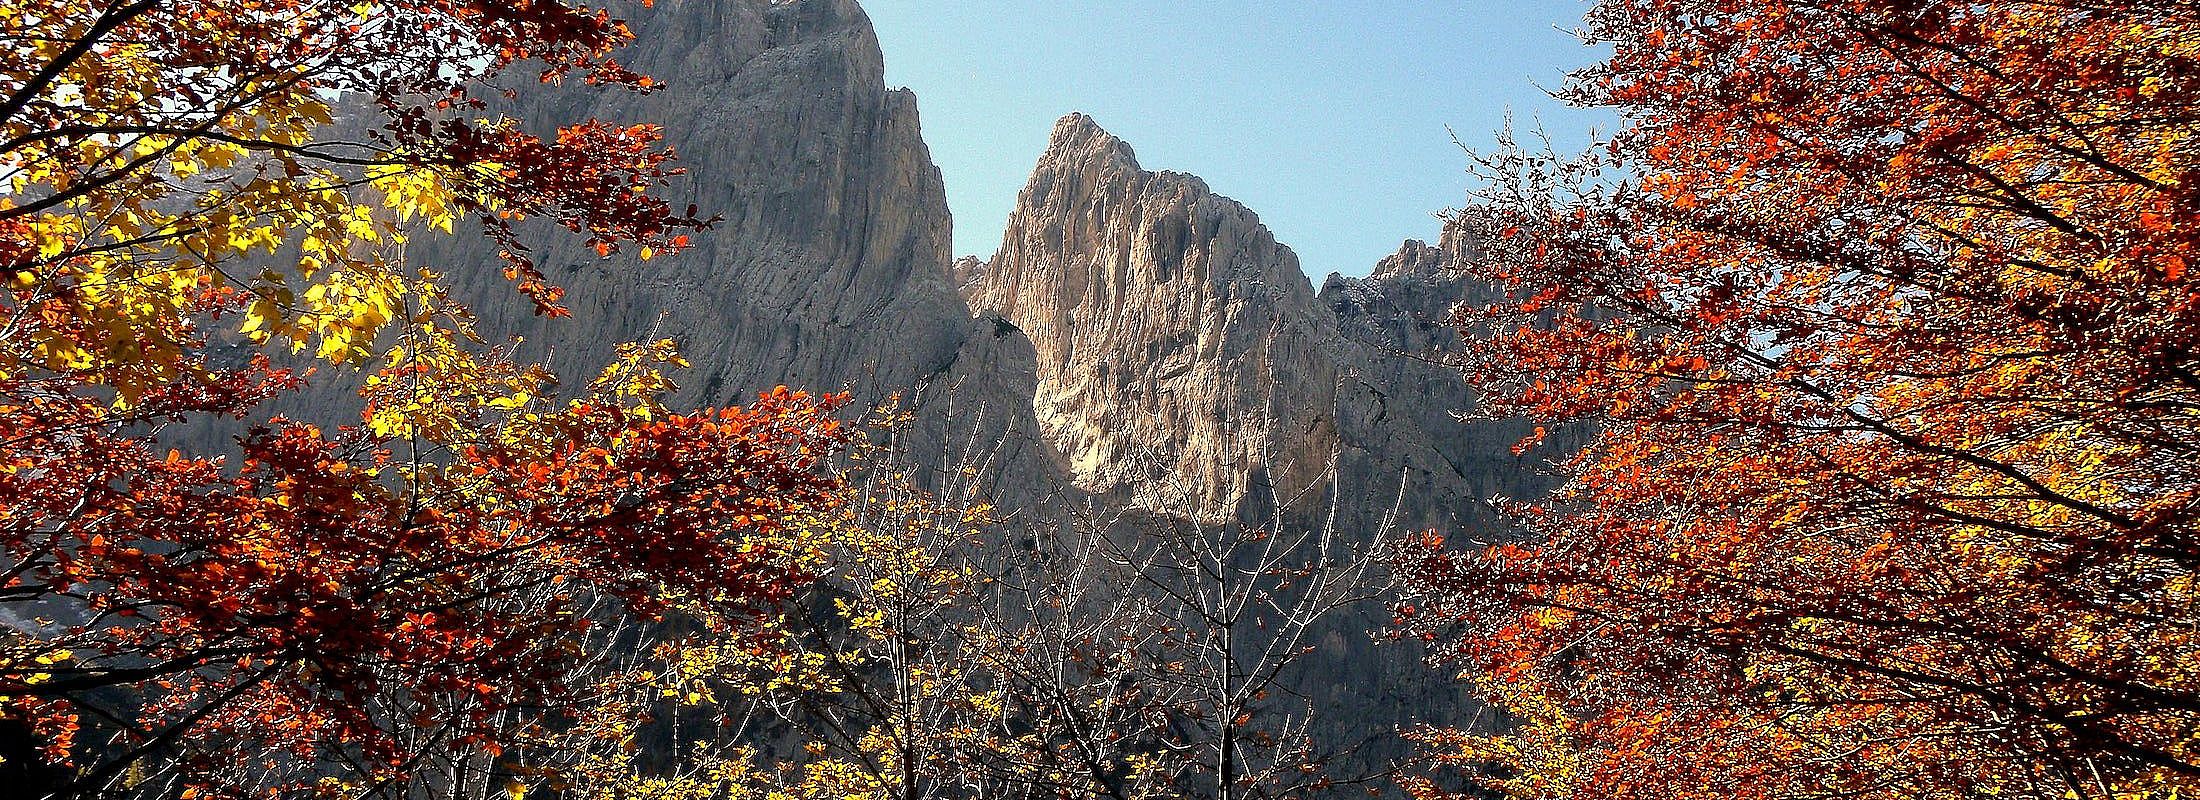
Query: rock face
[
  {"x": 830, "y": 268},
  {"x": 835, "y": 230},
  {"x": 1178, "y": 342}
]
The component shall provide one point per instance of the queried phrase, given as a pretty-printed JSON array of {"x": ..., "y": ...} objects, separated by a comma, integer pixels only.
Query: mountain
[
  {"x": 1186, "y": 367},
  {"x": 1137, "y": 336},
  {"x": 1139, "y": 342},
  {"x": 1181, "y": 352},
  {"x": 829, "y": 270}
]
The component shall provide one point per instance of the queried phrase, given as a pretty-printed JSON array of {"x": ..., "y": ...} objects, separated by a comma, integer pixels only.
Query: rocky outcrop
[
  {"x": 829, "y": 269},
  {"x": 1178, "y": 343}
]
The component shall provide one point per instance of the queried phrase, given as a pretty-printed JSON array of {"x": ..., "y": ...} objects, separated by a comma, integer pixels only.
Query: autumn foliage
[
  {"x": 151, "y": 145},
  {"x": 328, "y": 591},
  {"x": 338, "y": 609},
  {"x": 1881, "y": 322}
]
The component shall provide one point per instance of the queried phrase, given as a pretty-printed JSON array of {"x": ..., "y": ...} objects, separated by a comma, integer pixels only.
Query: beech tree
[
  {"x": 345, "y": 611},
  {"x": 1883, "y": 319},
  {"x": 150, "y": 144},
  {"x": 950, "y": 649},
  {"x": 862, "y": 687}
]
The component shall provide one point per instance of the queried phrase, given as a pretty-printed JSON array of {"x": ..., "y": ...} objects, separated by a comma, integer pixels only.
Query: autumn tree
[
  {"x": 349, "y": 611},
  {"x": 861, "y": 687},
  {"x": 1179, "y": 650},
  {"x": 1074, "y": 648},
  {"x": 151, "y": 144},
  {"x": 1883, "y": 316}
]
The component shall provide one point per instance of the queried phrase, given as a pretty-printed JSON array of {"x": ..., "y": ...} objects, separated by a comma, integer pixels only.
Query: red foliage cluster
[
  {"x": 305, "y": 603},
  {"x": 1886, "y": 335},
  {"x": 330, "y": 611}
]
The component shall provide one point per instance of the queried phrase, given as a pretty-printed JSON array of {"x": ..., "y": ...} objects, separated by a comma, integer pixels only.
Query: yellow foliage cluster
[{"x": 144, "y": 209}]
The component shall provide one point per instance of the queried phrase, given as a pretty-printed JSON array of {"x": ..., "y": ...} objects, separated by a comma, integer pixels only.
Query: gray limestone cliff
[
  {"x": 829, "y": 269},
  {"x": 1178, "y": 343},
  {"x": 1181, "y": 352},
  {"x": 835, "y": 223}
]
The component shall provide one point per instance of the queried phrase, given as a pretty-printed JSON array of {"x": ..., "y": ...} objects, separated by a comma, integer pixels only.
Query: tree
[
  {"x": 861, "y": 687},
  {"x": 151, "y": 144},
  {"x": 333, "y": 616},
  {"x": 1178, "y": 649},
  {"x": 949, "y": 649},
  {"x": 1882, "y": 316},
  {"x": 353, "y": 611}
]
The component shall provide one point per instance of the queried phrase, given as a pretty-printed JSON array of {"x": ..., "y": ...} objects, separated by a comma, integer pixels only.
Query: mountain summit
[{"x": 1182, "y": 352}]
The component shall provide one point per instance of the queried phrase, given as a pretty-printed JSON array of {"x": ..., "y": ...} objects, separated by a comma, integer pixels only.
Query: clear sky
[{"x": 1332, "y": 119}]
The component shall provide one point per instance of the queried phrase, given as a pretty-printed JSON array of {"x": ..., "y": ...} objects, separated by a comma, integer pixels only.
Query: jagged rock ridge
[{"x": 1178, "y": 342}]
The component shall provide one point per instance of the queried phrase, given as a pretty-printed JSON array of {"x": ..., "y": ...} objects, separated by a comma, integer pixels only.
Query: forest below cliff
[{"x": 470, "y": 399}]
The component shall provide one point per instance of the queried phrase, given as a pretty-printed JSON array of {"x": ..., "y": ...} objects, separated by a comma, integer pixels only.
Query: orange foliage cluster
[
  {"x": 265, "y": 613},
  {"x": 1881, "y": 321},
  {"x": 332, "y": 611}
]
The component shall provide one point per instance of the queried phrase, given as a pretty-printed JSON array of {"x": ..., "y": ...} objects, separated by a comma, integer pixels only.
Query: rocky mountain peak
[
  {"x": 1415, "y": 257},
  {"x": 1172, "y": 333},
  {"x": 1078, "y": 140},
  {"x": 1181, "y": 352}
]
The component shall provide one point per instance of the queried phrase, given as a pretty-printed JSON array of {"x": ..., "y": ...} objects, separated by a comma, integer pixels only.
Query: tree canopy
[
  {"x": 344, "y": 609},
  {"x": 1881, "y": 317}
]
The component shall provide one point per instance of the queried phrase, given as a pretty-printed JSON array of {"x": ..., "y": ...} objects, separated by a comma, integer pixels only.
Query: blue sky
[{"x": 1328, "y": 118}]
